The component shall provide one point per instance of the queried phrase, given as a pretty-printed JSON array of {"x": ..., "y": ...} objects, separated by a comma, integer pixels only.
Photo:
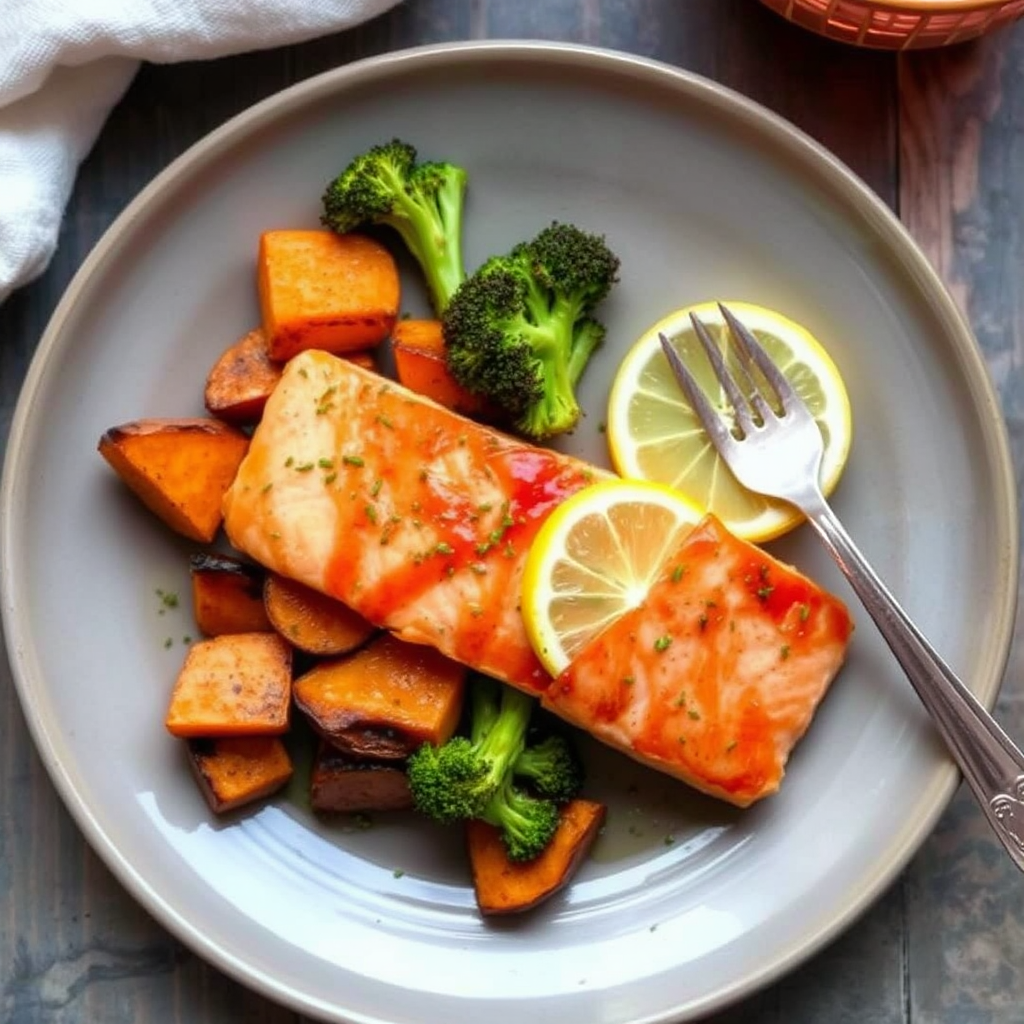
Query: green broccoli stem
[
  {"x": 499, "y": 725},
  {"x": 433, "y": 235},
  {"x": 551, "y": 335},
  {"x": 585, "y": 344}
]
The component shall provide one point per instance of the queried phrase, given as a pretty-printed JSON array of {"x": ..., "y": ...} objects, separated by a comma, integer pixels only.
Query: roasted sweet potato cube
[
  {"x": 233, "y": 685},
  {"x": 418, "y": 347},
  {"x": 242, "y": 379},
  {"x": 385, "y": 700},
  {"x": 506, "y": 887},
  {"x": 311, "y": 621},
  {"x": 227, "y": 595},
  {"x": 236, "y": 770},
  {"x": 340, "y": 783},
  {"x": 317, "y": 289},
  {"x": 180, "y": 468}
]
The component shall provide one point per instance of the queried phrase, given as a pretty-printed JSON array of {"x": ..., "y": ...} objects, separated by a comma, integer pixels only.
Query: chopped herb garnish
[
  {"x": 304, "y": 468},
  {"x": 730, "y": 746},
  {"x": 763, "y": 593},
  {"x": 186, "y": 639},
  {"x": 662, "y": 643},
  {"x": 805, "y": 612},
  {"x": 289, "y": 462},
  {"x": 449, "y": 571},
  {"x": 267, "y": 487},
  {"x": 168, "y": 642},
  {"x": 385, "y": 421},
  {"x": 628, "y": 680},
  {"x": 702, "y": 620},
  {"x": 478, "y": 567},
  {"x": 476, "y": 611},
  {"x": 303, "y": 372},
  {"x": 330, "y": 478},
  {"x": 510, "y": 551},
  {"x": 694, "y": 714},
  {"x": 325, "y": 463},
  {"x": 678, "y": 573},
  {"x": 485, "y": 506},
  {"x": 443, "y": 548},
  {"x": 669, "y": 840},
  {"x": 602, "y": 427},
  {"x": 423, "y": 474},
  {"x": 371, "y": 513},
  {"x": 784, "y": 651},
  {"x": 482, "y": 549},
  {"x": 398, "y": 873},
  {"x": 168, "y": 598},
  {"x": 353, "y": 460},
  {"x": 377, "y": 485}
]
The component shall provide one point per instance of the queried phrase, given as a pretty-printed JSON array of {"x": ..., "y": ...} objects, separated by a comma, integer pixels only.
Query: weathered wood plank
[{"x": 962, "y": 196}]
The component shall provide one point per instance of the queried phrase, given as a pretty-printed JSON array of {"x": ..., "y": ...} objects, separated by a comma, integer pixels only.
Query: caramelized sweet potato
[
  {"x": 227, "y": 595},
  {"x": 385, "y": 700},
  {"x": 504, "y": 887},
  {"x": 321, "y": 290},
  {"x": 242, "y": 379},
  {"x": 340, "y": 783},
  {"x": 418, "y": 347},
  {"x": 311, "y": 621},
  {"x": 179, "y": 468},
  {"x": 234, "y": 685},
  {"x": 236, "y": 770}
]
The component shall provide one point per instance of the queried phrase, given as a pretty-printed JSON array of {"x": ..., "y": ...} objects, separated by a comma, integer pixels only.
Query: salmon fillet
[
  {"x": 417, "y": 518},
  {"x": 717, "y": 675}
]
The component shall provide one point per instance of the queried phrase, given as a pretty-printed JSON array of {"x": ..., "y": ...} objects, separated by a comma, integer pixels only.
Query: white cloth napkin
[{"x": 65, "y": 63}]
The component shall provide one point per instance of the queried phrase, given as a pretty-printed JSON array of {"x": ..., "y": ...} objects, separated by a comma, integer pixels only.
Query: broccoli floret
[
  {"x": 527, "y": 824},
  {"x": 519, "y": 333},
  {"x": 458, "y": 779},
  {"x": 423, "y": 202},
  {"x": 552, "y": 767}
]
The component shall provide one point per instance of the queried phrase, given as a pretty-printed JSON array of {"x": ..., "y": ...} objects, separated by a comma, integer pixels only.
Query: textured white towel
[{"x": 65, "y": 63}]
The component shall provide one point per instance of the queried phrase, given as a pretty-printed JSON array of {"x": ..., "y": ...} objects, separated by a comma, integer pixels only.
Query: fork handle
[{"x": 988, "y": 759}]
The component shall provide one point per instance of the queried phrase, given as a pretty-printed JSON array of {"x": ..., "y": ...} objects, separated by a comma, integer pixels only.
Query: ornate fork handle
[{"x": 991, "y": 764}]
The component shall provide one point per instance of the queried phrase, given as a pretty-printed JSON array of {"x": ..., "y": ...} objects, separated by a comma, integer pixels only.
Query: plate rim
[{"x": 786, "y": 137}]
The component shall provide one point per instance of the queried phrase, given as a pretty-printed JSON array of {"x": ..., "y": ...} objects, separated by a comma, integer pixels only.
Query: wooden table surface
[{"x": 939, "y": 136}]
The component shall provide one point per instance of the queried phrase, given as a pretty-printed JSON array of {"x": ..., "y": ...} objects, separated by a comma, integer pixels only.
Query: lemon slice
[
  {"x": 653, "y": 434},
  {"x": 596, "y": 557}
]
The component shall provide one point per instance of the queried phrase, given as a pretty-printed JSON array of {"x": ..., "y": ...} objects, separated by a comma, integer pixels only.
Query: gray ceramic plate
[{"x": 686, "y": 903}]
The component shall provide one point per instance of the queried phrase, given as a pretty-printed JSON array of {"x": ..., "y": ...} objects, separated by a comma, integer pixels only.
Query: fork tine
[
  {"x": 743, "y": 418},
  {"x": 711, "y": 421},
  {"x": 752, "y": 350}
]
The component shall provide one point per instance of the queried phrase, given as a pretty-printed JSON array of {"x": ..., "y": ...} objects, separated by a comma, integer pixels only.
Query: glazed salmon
[
  {"x": 412, "y": 515},
  {"x": 717, "y": 675}
]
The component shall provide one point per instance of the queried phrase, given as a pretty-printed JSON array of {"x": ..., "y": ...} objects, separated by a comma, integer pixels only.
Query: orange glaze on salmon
[
  {"x": 718, "y": 674},
  {"x": 417, "y": 518}
]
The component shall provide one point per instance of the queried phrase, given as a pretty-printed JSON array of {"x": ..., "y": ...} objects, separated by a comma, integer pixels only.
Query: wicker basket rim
[{"x": 937, "y": 6}]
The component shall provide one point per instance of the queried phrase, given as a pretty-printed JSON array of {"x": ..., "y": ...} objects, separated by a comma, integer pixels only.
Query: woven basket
[{"x": 899, "y": 24}]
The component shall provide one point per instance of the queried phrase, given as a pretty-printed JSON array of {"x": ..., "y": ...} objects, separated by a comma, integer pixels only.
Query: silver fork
[{"x": 779, "y": 456}]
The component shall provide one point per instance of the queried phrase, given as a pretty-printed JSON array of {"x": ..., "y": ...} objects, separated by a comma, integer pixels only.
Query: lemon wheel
[
  {"x": 654, "y": 435},
  {"x": 596, "y": 557}
]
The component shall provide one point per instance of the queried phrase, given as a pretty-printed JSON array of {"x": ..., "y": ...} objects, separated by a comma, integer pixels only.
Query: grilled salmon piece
[
  {"x": 415, "y": 517},
  {"x": 717, "y": 675}
]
